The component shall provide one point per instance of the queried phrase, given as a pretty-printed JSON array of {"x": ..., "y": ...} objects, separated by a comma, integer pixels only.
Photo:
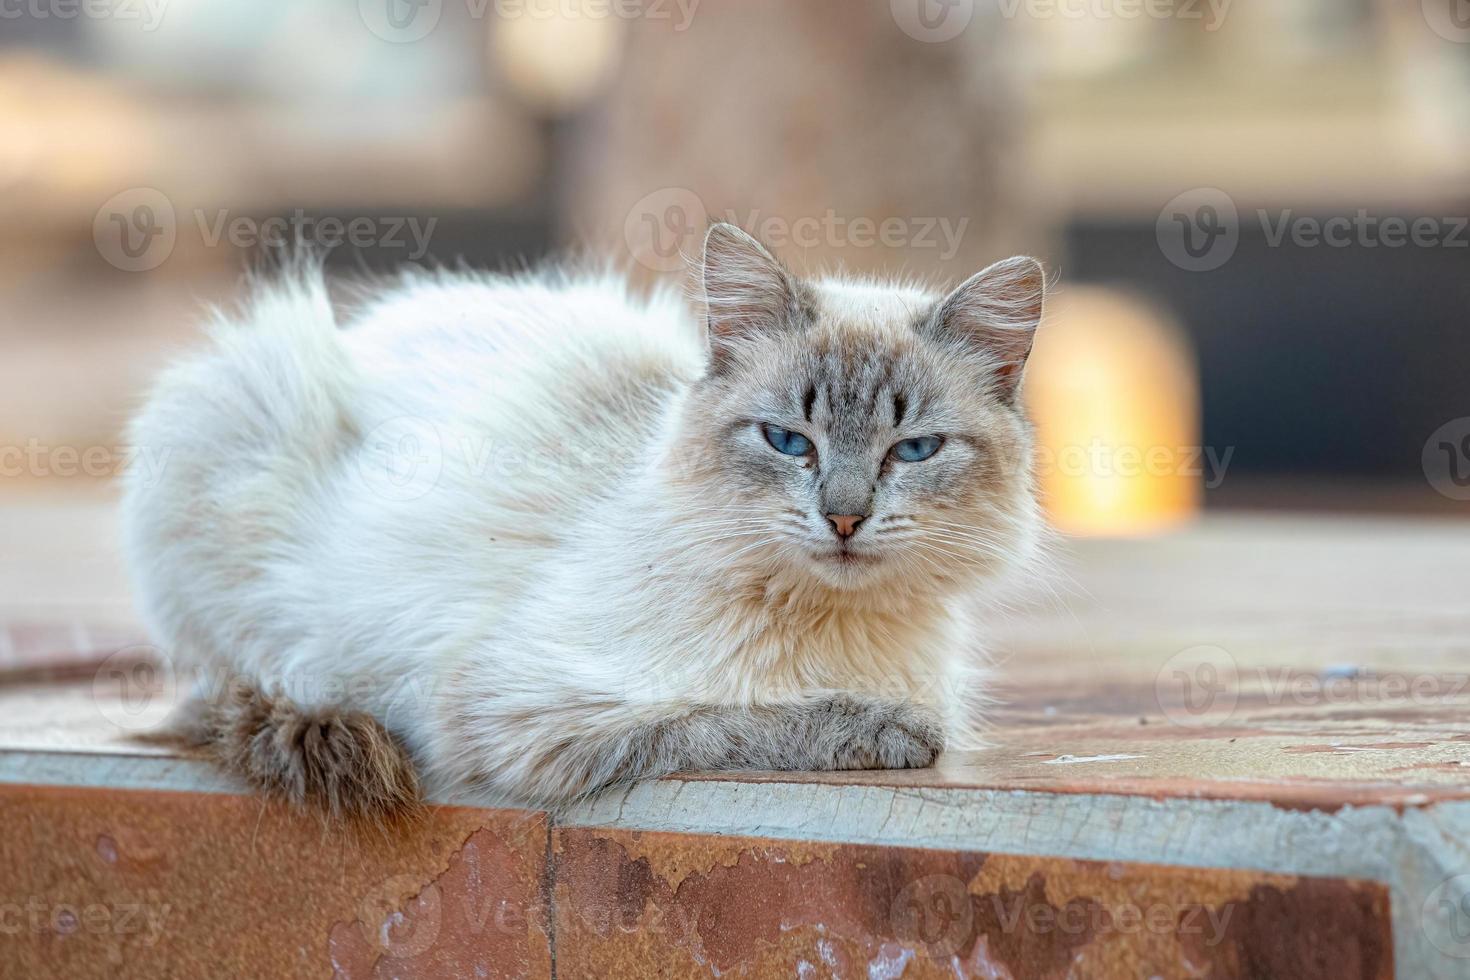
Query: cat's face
[{"x": 864, "y": 433}]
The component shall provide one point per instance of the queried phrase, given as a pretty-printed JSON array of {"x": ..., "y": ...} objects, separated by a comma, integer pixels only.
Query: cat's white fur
[{"x": 453, "y": 512}]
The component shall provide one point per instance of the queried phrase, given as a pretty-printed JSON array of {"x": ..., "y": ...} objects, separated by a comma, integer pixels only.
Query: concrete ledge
[{"x": 685, "y": 876}]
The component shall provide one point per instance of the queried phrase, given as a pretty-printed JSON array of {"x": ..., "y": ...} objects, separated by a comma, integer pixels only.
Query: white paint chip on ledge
[{"x": 1067, "y": 760}]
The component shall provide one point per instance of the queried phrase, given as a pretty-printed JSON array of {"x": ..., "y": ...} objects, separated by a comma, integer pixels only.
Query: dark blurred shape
[{"x": 1325, "y": 361}]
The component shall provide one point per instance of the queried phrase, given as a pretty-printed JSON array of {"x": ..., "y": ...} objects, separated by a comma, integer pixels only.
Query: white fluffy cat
[{"x": 535, "y": 534}]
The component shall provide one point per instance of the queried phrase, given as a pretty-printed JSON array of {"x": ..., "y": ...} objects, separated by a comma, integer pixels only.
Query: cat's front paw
[{"x": 876, "y": 733}]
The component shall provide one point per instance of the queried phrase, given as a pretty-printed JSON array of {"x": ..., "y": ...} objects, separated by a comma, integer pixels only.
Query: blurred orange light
[{"x": 1112, "y": 387}]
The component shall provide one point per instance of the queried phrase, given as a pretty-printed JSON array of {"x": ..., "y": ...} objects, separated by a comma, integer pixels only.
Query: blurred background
[{"x": 1255, "y": 210}]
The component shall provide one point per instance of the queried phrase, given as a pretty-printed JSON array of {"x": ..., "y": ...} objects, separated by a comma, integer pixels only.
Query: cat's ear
[
  {"x": 996, "y": 312},
  {"x": 747, "y": 291}
]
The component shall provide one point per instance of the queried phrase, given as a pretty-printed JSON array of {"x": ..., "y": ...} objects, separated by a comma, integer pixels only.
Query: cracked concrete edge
[{"x": 1413, "y": 851}]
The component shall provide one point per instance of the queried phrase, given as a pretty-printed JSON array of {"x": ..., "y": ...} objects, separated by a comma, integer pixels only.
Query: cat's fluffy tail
[{"x": 344, "y": 762}]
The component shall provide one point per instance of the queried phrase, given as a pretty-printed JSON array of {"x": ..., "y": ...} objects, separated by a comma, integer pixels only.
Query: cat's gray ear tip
[
  {"x": 1036, "y": 270},
  {"x": 1023, "y": 274},
  {"x": 1020, "y": 267},
  {"x": 721, "y": 233},
  {"x": 727, "y": 244}
]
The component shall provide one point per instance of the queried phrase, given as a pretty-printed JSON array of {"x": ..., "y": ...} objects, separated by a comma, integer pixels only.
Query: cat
[{"x": 530, "y": 536}]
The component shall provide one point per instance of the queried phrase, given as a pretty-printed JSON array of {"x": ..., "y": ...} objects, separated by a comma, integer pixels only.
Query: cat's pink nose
[{"x": 845, "y": 524}]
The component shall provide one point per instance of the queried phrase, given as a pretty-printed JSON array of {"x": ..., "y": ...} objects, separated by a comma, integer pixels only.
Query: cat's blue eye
[
  {"x": 915, "y": 450},
  {"x": 786, "y": 441}
]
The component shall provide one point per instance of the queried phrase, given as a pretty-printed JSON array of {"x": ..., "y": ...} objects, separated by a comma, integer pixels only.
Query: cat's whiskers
[{"x": 960, "y": 534}]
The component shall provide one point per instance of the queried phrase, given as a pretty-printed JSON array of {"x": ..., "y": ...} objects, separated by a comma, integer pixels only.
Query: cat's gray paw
[{"x": 876, "y": 733}]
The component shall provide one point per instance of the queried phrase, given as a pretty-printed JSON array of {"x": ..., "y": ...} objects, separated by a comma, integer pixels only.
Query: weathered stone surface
[
  {"x": 634, "y": 904},
  {"x": 107, "y": 883}
]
